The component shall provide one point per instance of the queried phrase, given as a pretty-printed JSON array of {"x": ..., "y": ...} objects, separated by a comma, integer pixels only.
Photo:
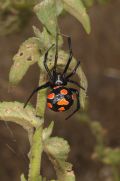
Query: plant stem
[
  {"x": 35, "y": 156},
  {"x": 37, "y": 146},
  {"x": 41, "y": 97}
]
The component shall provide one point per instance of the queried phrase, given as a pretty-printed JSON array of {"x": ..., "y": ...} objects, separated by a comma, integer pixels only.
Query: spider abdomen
[{"x": 60, "y": 99}]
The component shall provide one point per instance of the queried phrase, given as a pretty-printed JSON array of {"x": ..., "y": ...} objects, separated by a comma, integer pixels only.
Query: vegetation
[{"x": 32, "y": 51}]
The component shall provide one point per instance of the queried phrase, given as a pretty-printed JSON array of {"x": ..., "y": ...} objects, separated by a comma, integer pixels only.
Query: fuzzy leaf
[
  {"x": 46, "y": 13},
  {"x": 77, "y": 9},
  {"x": 27, "y": 55},
  {"x": 57, "y": 150},
  {"x": 14, "y": 111},
  {"x": 48, "y": 131},
  {"x": 57, "y": 147}
]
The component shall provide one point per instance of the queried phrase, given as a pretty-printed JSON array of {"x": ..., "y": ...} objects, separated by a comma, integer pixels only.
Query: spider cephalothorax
[
  {"x": 60, "y": 98},
  {"x": 59, "y": 80}
]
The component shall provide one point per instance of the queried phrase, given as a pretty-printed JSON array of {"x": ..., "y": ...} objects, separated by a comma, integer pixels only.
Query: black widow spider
[{"x": 60, "y": 98}]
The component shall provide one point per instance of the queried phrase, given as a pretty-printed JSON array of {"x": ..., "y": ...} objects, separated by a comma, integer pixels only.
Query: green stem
[
  {"x": 37, "y": 145},
  {"x": 35, "y": 156},
  {"x": 41, "y": 97}
]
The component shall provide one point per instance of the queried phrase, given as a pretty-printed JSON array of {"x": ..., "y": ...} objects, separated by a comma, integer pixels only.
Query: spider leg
[
  {"x": 70, "y": 54},
  {"x": 78, "y": 102},
  {"x": 76, "y": 83},
  {"x": 45, "y": 63},
  {"x": 56, "y": 56},
  {"x": 36, "y": 90},
  {"x": 74, "y": 71}
]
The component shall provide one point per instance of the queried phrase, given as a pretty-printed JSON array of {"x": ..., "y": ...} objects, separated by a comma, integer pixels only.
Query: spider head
[{"x": 59, "y": 80}]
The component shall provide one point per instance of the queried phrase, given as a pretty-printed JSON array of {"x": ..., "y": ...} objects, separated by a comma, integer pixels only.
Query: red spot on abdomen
[
  {"x": 49, "y": 105},
  {"x": 62, "y": 102},
  {"x": 64, "y": 91},
  {"x": 61, "y": 109},
  {"x": 51, "y": 96}
]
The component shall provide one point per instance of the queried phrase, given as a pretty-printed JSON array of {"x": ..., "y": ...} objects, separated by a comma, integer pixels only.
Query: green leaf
[
  {"x": 57, "y": 147},
  {"x": 59, "y": 7},
  {"x": 112, "y": 156},
  {"x": 14, "y": 111},
  {"x": 57, "y": 150},
  {"x": 46, "y": 13},
  {"x": 27, "y": 55},
  {"x": 48, "y": 131},
  {"x": 77, "y": 9}
]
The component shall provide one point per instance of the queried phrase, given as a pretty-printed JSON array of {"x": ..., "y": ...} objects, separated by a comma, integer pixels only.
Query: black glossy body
[{"x": 60, "y": 99}]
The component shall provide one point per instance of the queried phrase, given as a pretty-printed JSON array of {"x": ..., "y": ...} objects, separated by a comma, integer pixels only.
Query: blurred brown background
[{"x": 100, "y": 56}]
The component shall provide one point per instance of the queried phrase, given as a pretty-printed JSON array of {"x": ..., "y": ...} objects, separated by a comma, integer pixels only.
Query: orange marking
[
  {"x": 62, "y": 102},
  {"x": 51, "y": 96},
  {"x": 64, "y": 91},
  {"x": 61, "y": 109},
  {"x": 49, "y": 105}
]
